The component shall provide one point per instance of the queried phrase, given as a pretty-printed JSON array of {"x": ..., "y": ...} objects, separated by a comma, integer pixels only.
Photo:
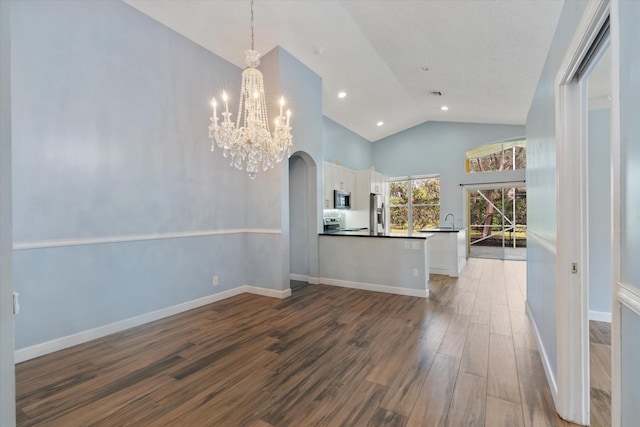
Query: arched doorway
[{"x": 303, "y": 217}]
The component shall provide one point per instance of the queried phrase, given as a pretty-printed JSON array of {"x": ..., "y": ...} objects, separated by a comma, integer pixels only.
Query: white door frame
[
  {"x": 623, "y": 294},
  {"x": 573, "y": 399}
]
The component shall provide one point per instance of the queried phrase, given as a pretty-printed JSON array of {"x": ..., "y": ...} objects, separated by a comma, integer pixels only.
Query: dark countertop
[
  {"x": 442, "y": 230},
  {"x": 365, "y": 233}
]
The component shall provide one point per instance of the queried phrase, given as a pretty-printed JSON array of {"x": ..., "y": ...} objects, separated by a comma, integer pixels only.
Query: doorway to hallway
[{"x": 498, "y": 222}]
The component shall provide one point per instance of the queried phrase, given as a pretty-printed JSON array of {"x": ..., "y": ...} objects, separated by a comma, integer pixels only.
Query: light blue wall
[
  {"x": 350, "y": 149},
  {"x": 7, "y": 371},
  {"x": 630, "y": 354},
  {"x": 629, "y": 13},
  {"x": 112, "y": 144},
  {"x": 541, "y": 186},
  {"x": 541, "y": 274},
  {"x": 267, "y": 203},
  {"x": 305, "y": 88},
  {"x": 440, "y": 148},
  {"x": 110, "y": 114},
  {"x": 629, "y": 135},
  {"x": 599, "y": 211}
]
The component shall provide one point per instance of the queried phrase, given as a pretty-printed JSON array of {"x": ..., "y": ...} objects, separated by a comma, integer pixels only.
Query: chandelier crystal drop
[{"x": 249, "y": 142}]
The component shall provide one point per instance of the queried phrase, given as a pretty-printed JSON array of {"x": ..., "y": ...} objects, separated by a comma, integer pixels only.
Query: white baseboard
[
  {"x": 600, "y": 316},
  {"x": 444, "y": 270},
  {"x": 304, "y": 278},
  {"x": 267, "y": 292},
  {"x": 553, "y": 384},
  {"x": 374, "y": 287},
  {"x": 41, "y": 349}
]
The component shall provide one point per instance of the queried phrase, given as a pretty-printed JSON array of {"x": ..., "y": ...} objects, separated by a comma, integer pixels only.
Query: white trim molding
[
  {"x": 572, "y": 274},
  {"x": 57, "y": 344},
  {"x": 600, "y": 316},
  {"x": 375, "y": 287},
  {"x": 21, "y": 246},
  {"x": 542, "y": 242},
  {"x": 628, "y": 296},
  {"x": 265, "y": 292},
  {"x": 551, "y": 379}
]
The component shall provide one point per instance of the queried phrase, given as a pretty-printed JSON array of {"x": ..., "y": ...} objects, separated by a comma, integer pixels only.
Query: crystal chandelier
[{"x": 249, "y": 142}]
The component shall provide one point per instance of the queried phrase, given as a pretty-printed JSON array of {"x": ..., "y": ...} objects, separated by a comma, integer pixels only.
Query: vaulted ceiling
[{"x": 484, "y": 56}]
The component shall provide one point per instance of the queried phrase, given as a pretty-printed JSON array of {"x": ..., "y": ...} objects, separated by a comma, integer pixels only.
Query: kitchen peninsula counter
[
  {"x": 366, "y": 233},
  {"x": 394, "y": 264},
  {"x": 447, "y": 250}
]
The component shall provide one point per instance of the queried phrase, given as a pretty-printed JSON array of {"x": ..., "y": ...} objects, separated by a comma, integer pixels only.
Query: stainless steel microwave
[{"x": 341, "y": 199}]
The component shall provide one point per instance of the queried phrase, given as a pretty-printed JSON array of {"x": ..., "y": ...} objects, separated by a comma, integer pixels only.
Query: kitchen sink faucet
[{"x": 453, "y": 220}]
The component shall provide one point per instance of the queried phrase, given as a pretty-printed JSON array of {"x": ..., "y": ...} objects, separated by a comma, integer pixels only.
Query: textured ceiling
[{"x": 485, "y": 56}]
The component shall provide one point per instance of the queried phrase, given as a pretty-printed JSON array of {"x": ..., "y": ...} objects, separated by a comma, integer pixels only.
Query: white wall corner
[{"x": 273, "y": 293}]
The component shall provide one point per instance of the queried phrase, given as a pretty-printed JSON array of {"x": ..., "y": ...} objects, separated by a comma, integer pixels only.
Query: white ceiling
[{"x": 485, "y": 56}]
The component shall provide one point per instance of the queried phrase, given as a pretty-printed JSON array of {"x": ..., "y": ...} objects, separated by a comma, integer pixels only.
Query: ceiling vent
[{"x": 434, "y": 93}]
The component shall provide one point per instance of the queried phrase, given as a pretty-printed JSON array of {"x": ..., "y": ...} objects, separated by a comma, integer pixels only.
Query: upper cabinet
[
  {"x": 377, "y": 182},
  {"x": 359, "y": 183},
  {"x": 337, "y": 178},
  {"x": 369, "y": 181}
]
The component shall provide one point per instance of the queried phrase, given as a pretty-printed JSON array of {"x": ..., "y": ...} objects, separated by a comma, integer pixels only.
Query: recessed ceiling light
[
  {"x": 444, "y": 108},
  {"x": 342, "y": 94},
  {"x": 380, "y": 123}
]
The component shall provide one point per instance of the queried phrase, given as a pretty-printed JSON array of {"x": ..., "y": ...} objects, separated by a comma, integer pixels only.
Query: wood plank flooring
[
  {"x": 600, "y": 365},
  {"x": 326, "y": 356}
]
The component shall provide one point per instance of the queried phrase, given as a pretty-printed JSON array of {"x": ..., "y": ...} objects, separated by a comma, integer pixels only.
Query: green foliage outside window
[
  {"x": 414, "y": 204},
  {"x": 498, "y": 156}
]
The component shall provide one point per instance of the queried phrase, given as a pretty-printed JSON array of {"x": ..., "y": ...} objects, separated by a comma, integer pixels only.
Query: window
[
  {"x": 498, "y": 156},
  {"x": 414, "y": 204}
]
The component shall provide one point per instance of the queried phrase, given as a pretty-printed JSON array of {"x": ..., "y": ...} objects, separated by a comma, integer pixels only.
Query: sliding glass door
[{"x": 498, "y": 223}]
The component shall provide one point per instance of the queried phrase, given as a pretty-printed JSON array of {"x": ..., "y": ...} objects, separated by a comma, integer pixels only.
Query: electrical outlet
[
  {"x": 415, "y": 272},
  {"x": 407, "y": 245},
  {"x": 215, "y": 281}
]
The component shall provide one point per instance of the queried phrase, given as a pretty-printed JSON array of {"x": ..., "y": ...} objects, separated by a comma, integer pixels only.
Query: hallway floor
[{"x": 600, "y": 361}]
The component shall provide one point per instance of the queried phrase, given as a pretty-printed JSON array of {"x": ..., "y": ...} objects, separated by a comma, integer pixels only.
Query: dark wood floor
[{"x": 325, "y": 356}]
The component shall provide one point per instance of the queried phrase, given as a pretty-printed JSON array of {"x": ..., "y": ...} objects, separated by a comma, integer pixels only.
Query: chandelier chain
[{"x": 252, "y": 36}]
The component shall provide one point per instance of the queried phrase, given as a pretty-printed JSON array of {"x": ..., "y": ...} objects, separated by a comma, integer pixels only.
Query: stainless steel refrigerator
[{"x": 377, "y": 220}]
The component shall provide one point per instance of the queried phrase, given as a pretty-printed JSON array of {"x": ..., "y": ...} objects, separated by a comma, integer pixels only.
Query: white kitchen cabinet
[
  {"x": 369, "y": 181},
  {"x": 327, "y": 185},
  {"x": 338, "y": 177},
  {"x": 344, "y": 179},
  {"x": 377, "y": 182}
]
